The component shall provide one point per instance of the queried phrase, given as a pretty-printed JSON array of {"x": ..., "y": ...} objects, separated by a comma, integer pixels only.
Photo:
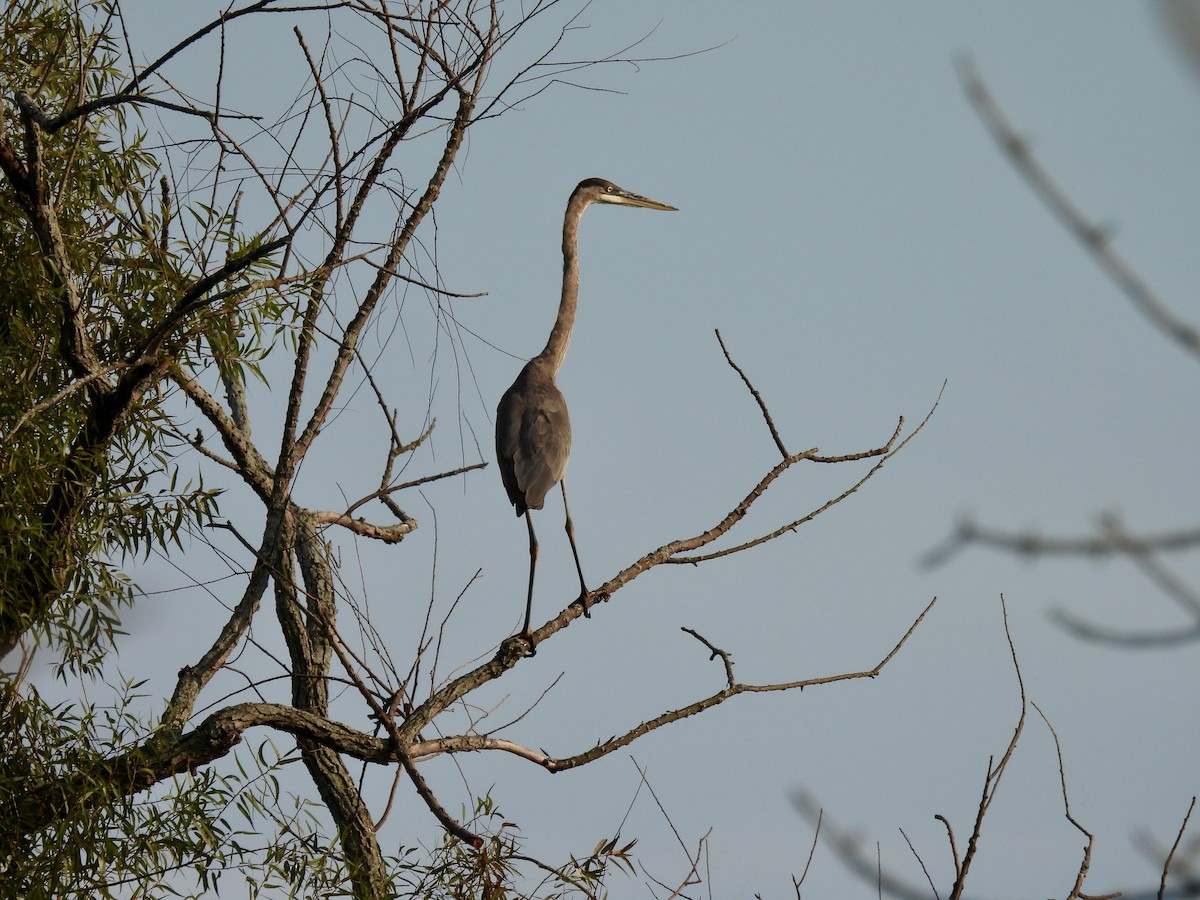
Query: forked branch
[{"x": 512, "y": 650}]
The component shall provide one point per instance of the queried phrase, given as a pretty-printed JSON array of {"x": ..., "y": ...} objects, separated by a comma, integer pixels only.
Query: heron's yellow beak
[{"x": 627, "y": 198}]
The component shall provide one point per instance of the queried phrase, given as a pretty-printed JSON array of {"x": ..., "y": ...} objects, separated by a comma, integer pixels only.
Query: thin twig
[
  {"x": 1162, "y": 885},
  {"x": 1077, "y": 889},
  {"x": 757, "y": 396},
  {"x": 714, "y": 653},
  {"x": 991, "y": 783},
  {"x": 953, "y": 844},
  {"x": 917, "y": 855},
  {"x": 812, "y": 849}
]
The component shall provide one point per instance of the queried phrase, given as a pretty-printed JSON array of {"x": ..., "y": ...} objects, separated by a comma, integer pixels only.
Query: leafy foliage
[
  {"x": 97, "y": 172},
  {"x": 128, "y": 274},
  {"x": 109, "y": 841}
]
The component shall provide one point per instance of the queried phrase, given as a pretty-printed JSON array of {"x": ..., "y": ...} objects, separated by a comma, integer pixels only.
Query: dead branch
[
  {"x": 1094, "y": 239},
  {"x": 1113, "y": 540},
  {"x": 1034, "y": 544},
  {"x": 731, "y": 690}
]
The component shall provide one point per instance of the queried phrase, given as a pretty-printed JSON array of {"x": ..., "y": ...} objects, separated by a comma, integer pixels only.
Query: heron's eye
[{"x": 609, "y": 188}]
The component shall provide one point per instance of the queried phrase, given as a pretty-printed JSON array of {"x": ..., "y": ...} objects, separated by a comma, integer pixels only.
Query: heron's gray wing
[
  {"x": 544, "y": 445},
  {"x": 508, "y": 426}
]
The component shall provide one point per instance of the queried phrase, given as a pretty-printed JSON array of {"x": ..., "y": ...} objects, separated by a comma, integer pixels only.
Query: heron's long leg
[
  {"x": 533, "y": 555},
  {"x": 583, "y": 591}
]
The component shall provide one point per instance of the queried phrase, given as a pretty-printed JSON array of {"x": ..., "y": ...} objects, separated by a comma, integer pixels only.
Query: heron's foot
[
  {"x": 527, "y": 637},
  {"x": 583, "y": 604},
  {"x": 520, "y": 644}
]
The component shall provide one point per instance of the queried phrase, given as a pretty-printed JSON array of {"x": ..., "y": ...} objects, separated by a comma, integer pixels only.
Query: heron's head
[{"x": 597, "y": 190}]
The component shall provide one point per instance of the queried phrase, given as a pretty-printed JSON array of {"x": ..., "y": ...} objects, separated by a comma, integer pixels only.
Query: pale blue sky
[{"x": 847, "y": 223}]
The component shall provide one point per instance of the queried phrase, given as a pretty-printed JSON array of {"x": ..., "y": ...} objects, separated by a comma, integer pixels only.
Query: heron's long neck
[{"x": 560, "y": 335}]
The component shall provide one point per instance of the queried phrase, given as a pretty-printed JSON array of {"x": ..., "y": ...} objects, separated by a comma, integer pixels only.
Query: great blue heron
[{"x": 533, "y": 432}]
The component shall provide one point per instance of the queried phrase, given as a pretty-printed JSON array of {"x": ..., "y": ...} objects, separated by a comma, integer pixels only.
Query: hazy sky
[{"x": 848, "y": 224}]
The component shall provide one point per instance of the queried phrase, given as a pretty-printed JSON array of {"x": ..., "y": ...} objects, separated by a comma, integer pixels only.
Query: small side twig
[
  {"x": 812, "y": 849},
  {"x": 1085, "y": 864},
  {"x": 757, "y": 397},
  {"x": 920, "y": 861},
  {"x": 953, "y": 843},
  {"x": 991, "y": 783},
  {"x": 714, "y": 653}
]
